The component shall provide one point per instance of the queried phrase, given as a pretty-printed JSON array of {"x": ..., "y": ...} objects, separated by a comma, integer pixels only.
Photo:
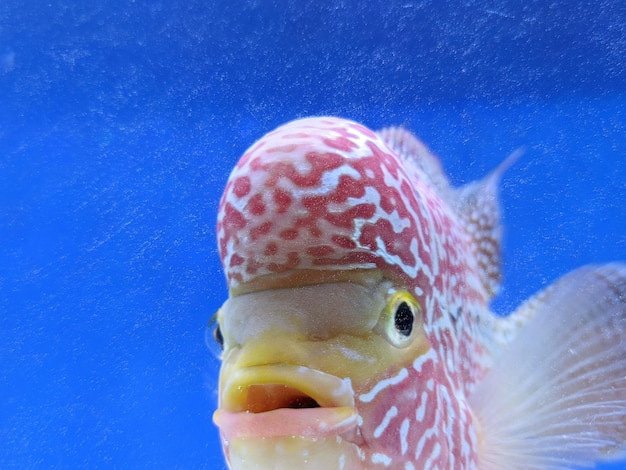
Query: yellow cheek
[{"x": 364, "y": 359}]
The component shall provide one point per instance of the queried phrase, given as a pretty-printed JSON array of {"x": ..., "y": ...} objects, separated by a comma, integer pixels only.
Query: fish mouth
[{"x": 285, "y": 400}]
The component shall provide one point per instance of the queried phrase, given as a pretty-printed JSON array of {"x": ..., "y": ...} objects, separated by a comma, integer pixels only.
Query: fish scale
[{"x": 327, "y": 203}]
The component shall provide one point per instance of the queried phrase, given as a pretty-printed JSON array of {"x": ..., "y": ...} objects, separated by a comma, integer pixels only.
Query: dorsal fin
[{"x": 477, "y": 205}]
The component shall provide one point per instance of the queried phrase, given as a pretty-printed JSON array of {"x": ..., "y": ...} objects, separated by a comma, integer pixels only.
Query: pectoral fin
[{"x": 556, "y": 398}]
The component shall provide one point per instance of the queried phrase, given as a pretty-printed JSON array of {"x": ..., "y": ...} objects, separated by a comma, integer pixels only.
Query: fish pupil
[
  {"x": 403, "y": 320},
  {"x": 217, "y": 335}
]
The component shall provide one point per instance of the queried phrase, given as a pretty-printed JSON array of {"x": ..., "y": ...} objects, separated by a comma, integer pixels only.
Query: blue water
[{"x": 119, "y": 124}]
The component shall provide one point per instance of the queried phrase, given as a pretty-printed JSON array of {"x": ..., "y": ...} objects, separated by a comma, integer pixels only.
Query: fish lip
[
  {"x": 336, "y": 414},
  {"x": 284, "y": 422},
  {"x": 326, "y": 389}
]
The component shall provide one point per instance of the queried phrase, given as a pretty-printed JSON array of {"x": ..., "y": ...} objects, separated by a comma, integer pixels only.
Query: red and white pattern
[{"x": 327, "y": 193}]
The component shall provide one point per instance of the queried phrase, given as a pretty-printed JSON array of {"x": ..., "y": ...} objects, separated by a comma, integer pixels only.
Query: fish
[{"x": 358, "y": 334}]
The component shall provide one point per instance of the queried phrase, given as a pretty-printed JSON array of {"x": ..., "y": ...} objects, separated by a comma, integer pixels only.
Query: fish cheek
[{"x": 367, "y": 359}]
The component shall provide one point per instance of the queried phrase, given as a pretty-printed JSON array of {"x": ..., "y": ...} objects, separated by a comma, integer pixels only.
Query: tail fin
[{"x": 556, "y": 398}]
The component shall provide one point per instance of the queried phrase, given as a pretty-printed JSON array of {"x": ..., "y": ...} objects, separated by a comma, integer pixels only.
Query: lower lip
[{"x": 306, "y": 422}]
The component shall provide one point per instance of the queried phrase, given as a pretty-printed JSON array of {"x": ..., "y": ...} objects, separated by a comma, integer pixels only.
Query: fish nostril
[{"x": 261, "y": 398}]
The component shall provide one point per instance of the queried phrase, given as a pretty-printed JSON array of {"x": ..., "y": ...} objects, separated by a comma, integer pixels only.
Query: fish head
[
  {"x": 332, "y": 331},
  {"x": 299, "y": 366}
]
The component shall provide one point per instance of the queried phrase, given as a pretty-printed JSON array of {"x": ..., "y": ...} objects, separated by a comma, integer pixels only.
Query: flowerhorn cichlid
[{"x": 358, "y": 335}]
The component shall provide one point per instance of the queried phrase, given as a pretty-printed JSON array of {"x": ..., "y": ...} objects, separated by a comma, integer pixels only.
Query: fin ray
[
  {"x": 478, "y": 206},
  {"x": 556, "y": 398}
]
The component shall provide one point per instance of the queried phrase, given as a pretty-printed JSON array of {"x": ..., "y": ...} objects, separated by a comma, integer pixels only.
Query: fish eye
[
  {"x": 217, "y": 336},
  {"x": 213, "y": 337},
  {"x": 398, "y": 320}
]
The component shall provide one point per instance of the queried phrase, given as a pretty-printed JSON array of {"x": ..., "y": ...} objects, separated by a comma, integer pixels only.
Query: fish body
[{"x": 358, "y": 333}]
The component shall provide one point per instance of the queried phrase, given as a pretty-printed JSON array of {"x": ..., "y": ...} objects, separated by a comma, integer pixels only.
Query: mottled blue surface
[{"x": 119, "y": 124}]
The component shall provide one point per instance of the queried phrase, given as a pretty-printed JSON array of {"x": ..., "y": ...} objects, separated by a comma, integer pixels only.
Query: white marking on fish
[
  {"x": 383, "y": 384},
  {"x": 404, "y": 433},
  {"x": 419, "y": 362},
  {"x": 422, "y": 442},
  {"x": 421, "y": 410},
  {"x": 381, "y": 458},
  {"x": 433, "y": 456},
  {"x": 391, "y": 413}
]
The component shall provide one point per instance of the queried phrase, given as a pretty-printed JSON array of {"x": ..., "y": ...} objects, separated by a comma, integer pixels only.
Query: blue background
[{"x": 120, "y": 122}]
